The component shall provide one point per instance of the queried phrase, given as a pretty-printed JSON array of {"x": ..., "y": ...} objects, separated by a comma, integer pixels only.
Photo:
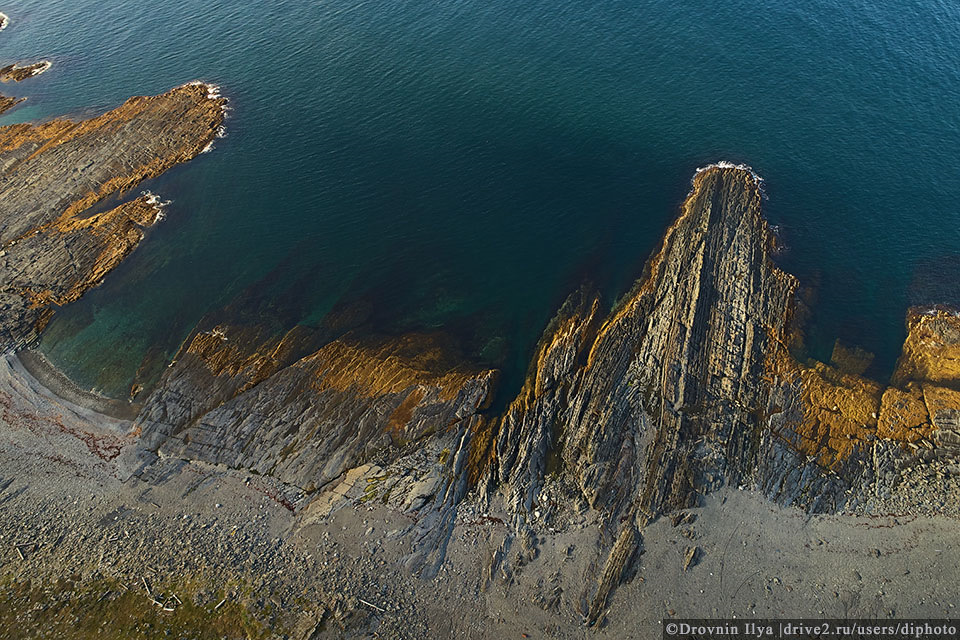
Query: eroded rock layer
[
  {"x": 7, "y": 103},
  {"x": 308, "y": 421},
  {"x": 52, "y": 249},
  {"x": 689, "y": 384}
]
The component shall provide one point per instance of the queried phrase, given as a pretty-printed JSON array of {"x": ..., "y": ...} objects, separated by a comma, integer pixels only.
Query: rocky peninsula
[{"x": 669, "y": 456}]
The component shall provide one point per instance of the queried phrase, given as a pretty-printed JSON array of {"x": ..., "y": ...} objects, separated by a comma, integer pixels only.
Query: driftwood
[{"x": 361, "y": 600}]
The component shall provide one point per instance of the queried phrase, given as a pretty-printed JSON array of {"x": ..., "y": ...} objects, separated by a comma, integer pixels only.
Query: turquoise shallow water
[{"x": 463, "y": 164}]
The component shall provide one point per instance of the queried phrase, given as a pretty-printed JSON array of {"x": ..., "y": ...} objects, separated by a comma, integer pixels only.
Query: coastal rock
[
  {"x": 690, "y": 385},
  {"x": 530, "y": 430},
  {"x": 7, "y": 103},
  {"x": 931, "y": 352},
  {"x": 20, "y": 72},
  {"x": 687, "y": 385},
  {"x": 924, "y": 401},
  {"x": 309, "y": 422},
  {"x": 52, "y": 247},
  {"x": 664, "y": 400}
]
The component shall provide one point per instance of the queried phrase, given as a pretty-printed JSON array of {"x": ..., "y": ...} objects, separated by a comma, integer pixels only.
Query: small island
[{"x": 19, "y": 72}]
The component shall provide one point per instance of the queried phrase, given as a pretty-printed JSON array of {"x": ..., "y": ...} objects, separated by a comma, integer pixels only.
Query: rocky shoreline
[{"x": 311, "y": 482}]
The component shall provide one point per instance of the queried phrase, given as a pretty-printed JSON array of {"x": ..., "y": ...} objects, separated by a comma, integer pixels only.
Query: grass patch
[{"x": 72, "y": 609}]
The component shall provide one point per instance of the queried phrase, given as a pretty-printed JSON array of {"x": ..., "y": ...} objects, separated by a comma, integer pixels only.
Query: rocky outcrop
[
  {"x": 52, "y": 247},
  {"x": 308, "y": 422},
  {"x": 922, "y": 409},
  {"x": 20, "y": 72},
  {"x": 687, "y": 385},
  {"x": 7, "y": 103},
  {"x": 664, "y": 399}
]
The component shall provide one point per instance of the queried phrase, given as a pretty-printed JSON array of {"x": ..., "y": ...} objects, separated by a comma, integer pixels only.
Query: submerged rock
[{"x": 52, "y": 248}]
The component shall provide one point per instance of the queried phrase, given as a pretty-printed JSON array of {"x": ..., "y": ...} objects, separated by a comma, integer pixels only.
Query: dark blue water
[{"x": 463, "y": 164}]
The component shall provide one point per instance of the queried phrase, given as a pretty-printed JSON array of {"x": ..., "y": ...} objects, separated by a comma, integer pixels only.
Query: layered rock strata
[
  {"x": 7, "y": 103},
  {"x": 52, "y": 247},
  {"x": 688, "y": 384},
  {"x": 310, "y": 421}
]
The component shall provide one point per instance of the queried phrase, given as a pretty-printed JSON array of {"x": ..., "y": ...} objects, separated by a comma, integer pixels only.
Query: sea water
[{"x": 462, "y": 165}]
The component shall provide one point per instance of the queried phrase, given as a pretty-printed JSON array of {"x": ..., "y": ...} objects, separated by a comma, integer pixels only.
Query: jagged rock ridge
[{"x": 687, "y": 385}]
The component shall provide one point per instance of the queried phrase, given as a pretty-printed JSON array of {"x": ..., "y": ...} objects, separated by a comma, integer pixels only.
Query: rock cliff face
[{"x": 52, "y": 249}]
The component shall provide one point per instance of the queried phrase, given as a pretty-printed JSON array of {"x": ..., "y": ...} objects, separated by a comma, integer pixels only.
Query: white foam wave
[
  {"x": 941, "y": 308},
  {"x": 35, "y": 68},
  {"x": 213, "y": 90},
  {"x": 724, "y": 164},
  {"x": 43, "y": 67},
  {"x": 158, "y": 204}
]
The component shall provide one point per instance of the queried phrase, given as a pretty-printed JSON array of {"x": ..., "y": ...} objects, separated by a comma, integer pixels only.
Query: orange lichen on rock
[
  {"x": 392, "y": 366},
  {"x": 233, "y": 351},
  {"x": 117, "y": 232},
  {"x": 931, "y": 352},
  {"x": 924, "y": 397},
  {"x": 15, "y": 136},
  {"x": 52, "y": 173},
  {"x": 840, "y": 411},
  {"x": 943, "y": 406},
  {"x": 903, "y": 414}
]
